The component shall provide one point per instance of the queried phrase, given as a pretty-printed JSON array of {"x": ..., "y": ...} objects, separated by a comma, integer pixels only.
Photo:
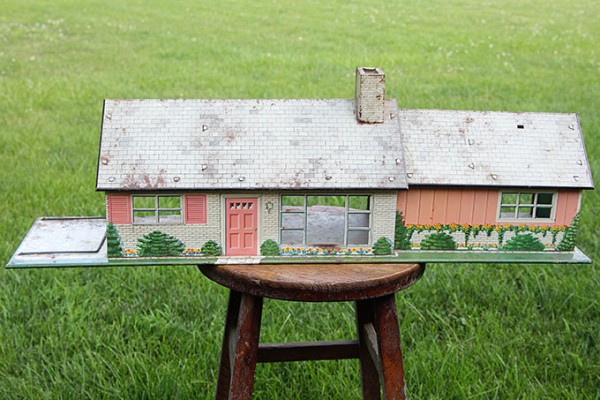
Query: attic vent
[{"x": 520, "y": 126}]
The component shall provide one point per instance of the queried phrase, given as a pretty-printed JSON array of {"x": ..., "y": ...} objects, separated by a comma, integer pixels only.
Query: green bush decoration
[
  {"x": 568, "y": 241},
  {"x": 438, "y": 241},
  {"x": 401, "y": 235},
  {"x": 526, "y": 242},
  {"x": 382, "y": 247},
  {"x": 269, "y": 248},
  {"x": 211, "y": 249},
  {"x": 113, "y": 241},
  {"x": 159, "y": 244}
]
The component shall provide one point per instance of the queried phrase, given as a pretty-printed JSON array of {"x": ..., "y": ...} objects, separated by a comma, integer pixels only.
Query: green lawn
[{"x": 469, "y": 331}]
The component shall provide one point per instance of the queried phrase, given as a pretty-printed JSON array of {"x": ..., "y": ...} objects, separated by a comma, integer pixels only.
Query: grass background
[{"x": 469, "y": 331}]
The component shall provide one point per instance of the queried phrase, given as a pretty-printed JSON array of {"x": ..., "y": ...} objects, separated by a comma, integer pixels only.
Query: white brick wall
[
  {"x": 269, "y": 221},
  {"x": 384, "y": 215},
  {"x": 370, "y": 95},
  {"x": 194, "y": 236}
]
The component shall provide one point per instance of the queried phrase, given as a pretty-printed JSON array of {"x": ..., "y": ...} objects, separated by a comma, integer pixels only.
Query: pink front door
[{"x": 241, "y": 230}]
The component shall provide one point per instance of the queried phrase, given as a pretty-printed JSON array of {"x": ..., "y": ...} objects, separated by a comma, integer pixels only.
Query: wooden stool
[{"x": 371, "y": 286}]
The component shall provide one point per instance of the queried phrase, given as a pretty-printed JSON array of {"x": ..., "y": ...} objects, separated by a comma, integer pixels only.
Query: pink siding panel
[
  {"x": 402, "y": 202},
  {"x": 448, "y": 205},
  {"x": 413, "y": 200},
  {"x": 480, "y": 209},
  {"x": 440, "y": 206},
  {"x": 119, "y": 208},
  {"x": 195, "y": 208},
  {"x": 426, "y": 206},
  {"x": 467, "y": 204},
  {"x": 567, "y": 206},
  {"x": 453, "y": 206},
  {"x": 491, "y": 214}
]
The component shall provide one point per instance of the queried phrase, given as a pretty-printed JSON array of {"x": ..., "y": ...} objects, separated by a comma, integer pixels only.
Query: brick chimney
[{"x": 369, "y": 95}]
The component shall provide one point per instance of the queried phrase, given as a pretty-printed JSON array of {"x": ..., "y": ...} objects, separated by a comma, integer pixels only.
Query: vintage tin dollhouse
[{"x": 337, "y": 177}]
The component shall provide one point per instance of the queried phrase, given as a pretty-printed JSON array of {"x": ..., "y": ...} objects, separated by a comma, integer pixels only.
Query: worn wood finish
[
  {"x": 315, "y": 282},
  {"x": 371, "y": 286},
  {"x": 388, "y": 344},
  {"x": 240, "y": 347},
  {"x": 323, "y": 350},
  {"x": 368, "y": 352}
]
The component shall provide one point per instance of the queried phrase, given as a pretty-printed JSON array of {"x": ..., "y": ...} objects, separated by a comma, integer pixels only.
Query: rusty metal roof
[
  {"x": 494, "y": 149},
  {"x": 247, "y": 144},
  {"x": 319, "y": 144}
]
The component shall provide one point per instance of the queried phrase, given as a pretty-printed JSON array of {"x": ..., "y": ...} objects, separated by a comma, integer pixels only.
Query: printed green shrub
[
  {"x": 113, "y": 241},
  {"x": 401, "y": 235},
  {"x": 211, "y": 249},
  {"x": 382, "y": 247},
  {"x": 438, "y": 241},
  {"x": 568, "y": 241},
  {"x": 526, "y": 242},
  {"x": 159, "y": 244},
  {"x": 269, "y": 248}
]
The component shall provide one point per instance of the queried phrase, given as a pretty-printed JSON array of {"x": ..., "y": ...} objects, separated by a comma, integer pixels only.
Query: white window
[
  {"x": 526, "y": 206},
  {"x": 322, "y": 220},
  {"x": 157, "y": 209}
]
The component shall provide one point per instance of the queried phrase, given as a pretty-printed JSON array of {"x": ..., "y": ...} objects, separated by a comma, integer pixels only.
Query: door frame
[{"x": 249, "y": 196}]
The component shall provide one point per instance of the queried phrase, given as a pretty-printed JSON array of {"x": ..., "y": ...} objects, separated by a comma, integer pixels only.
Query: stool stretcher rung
[{"x": 307, "y": 351}]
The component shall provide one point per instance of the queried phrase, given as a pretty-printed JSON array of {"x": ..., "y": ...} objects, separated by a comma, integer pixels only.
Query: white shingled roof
[
  {"x": 247, "y": 144},
  {"x": 494, "y": 149}
]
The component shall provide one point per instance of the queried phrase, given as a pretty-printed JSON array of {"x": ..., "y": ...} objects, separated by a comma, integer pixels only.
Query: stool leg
[
  {"x": 240, "y": 347},
  {"x": 390, "y": 352},
  {"x": 369, "y": 375}
]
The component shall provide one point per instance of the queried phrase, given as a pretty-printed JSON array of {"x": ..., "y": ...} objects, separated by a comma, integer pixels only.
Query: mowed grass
[{"x": 469, "y": 331}]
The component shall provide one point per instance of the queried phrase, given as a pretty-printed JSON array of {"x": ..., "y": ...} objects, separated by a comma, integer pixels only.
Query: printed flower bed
[
  {"x": 187, "y": 252},
  {"x": 192, "y": 252},
  {"x": 319, "y": 251},
  {"x": 473, "y": 232}
]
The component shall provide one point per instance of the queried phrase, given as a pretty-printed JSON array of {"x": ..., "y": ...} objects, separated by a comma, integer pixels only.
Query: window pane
[
  {"x": 356, "y": 238},
  {"x": 144, "y": 217},
  {"x": 543, "y": 212},
  {"x": 358, "y": 202},
  {"x": 509, "y": 198},
  {"x": 144, "y": 202},
  {"x": 292, "y": 201},
  {"x": 526, "y": 198},
  {"x": 525, "y": 212},
  {"x": 358, "y": 220},
  {"x": 292, "y": 237},
  {"x": 325, "y": 224},
  {"x": 544, "y": 198},
  {"x": 292, "y": 220},
  {"x": 169, "y": 217},
  {"x": 507, "y": 212},
  {"x": 338, "y": 201},
  {"x": 169, "y": 202}
]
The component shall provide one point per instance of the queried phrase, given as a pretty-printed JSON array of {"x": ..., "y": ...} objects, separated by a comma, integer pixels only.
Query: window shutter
[
  {"x": 195, "y": 209},
  {"x": 119, "y": 208}
]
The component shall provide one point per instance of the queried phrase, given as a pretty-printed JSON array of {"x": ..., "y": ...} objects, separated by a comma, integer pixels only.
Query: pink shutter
[
  {"x": 195, "y": 208},
  {"x": 119, "y": 208}
]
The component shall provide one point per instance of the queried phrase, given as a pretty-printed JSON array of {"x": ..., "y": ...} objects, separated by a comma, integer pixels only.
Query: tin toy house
[{"x": 340, "y": 177}]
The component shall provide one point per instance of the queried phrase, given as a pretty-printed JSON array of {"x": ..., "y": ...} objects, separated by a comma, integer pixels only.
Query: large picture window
[
  {"x": 322, "y": 220},
  {"x": 157, "y": 209},
  {"x": 523, "y": 206}
]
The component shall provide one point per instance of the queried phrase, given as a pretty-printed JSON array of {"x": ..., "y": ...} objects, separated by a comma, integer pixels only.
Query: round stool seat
[{"x": 315, "y": 282}]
